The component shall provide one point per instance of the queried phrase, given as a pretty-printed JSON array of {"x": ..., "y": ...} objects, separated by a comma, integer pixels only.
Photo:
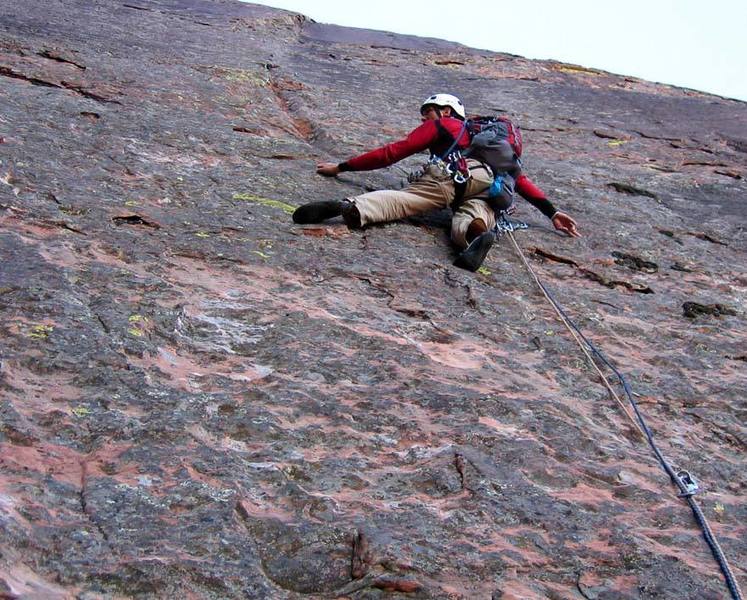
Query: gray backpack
[{"x": 495, "y": 141}]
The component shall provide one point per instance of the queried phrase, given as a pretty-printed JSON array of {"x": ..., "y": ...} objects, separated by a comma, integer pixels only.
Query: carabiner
[
  {"x": 505, "y": 225},
  {"x": 686, "y": 482}
]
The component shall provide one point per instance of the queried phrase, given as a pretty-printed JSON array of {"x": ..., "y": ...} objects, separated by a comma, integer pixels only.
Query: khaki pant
[{"x": 433, "y": 191}]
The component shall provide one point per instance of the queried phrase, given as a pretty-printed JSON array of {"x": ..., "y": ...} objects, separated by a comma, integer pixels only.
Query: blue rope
[{"x": 682, "y": 479}]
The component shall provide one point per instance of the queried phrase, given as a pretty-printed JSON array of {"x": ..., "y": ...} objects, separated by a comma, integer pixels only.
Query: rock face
[{"x": 201, "y": 400}]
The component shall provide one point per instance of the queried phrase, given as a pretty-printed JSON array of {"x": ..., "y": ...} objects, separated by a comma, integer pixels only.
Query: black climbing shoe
[
  {"x": 316, "y": 212},
  {"x": 472, "y": 256},
  {"x": 351, "y": 215}
]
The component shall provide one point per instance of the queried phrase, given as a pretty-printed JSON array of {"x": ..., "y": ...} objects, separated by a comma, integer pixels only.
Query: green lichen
[
  {"x": 484, "y": 271},
  {"x": 287, "y": 208}
]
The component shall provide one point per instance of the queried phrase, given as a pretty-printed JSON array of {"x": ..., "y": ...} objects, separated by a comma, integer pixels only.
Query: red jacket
[{"x": 437, "y": 139}]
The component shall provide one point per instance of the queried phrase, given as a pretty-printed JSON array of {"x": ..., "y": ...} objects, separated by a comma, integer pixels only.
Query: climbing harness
[{"x": 685, "y": 482}]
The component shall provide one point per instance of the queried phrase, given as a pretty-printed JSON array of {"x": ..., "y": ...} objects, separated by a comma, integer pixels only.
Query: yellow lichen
[
  {"x": 287, "y": 208},
  {"x": 40, "y": 332},
  {"x": 576, "y": 69},
  {"x": 256, "y": 78}
]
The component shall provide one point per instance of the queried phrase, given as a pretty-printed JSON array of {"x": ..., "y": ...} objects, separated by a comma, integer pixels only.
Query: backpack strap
[{"x": 456, "y": 139}]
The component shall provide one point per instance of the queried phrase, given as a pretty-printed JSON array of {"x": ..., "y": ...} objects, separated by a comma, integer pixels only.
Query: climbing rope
[
  {"x": 577, "y": 335},
  {"x": 686, "y": 484}
]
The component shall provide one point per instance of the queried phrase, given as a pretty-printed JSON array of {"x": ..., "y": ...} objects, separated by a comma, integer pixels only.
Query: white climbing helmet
[{"x": 440, "y": 100}]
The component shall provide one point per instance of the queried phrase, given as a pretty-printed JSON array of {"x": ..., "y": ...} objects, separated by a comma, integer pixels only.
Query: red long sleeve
[
  {"x": 426, "y": 136},
  {"x": 528, "y": 189},
  {"x": 534, "y": 195}
]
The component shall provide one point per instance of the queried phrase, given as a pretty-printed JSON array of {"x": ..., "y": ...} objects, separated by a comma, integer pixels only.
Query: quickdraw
[
  {"x": 687, "y": 484},
  {"x": 505, "y": 225},
  {"x": 454, "y": 165}
]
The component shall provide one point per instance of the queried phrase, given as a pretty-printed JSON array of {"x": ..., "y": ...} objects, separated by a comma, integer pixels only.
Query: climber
[{"x": 442, "y": 131}]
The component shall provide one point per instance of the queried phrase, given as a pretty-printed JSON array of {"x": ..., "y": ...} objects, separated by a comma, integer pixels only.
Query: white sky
[{"x": 689, "y": 43}]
